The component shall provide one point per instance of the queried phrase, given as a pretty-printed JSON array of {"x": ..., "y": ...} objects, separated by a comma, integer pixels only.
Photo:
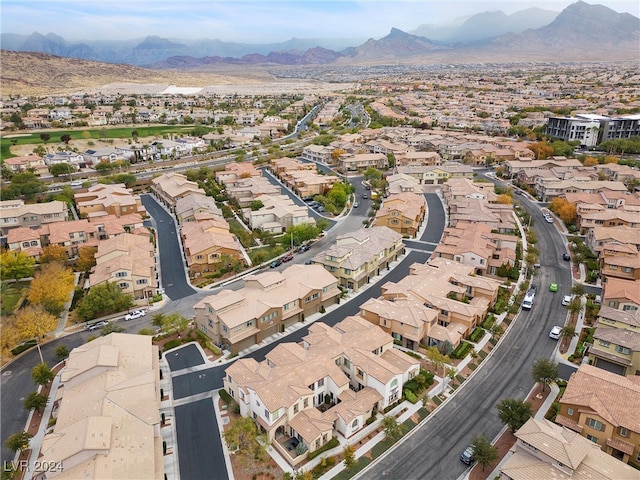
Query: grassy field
[
  {"x": 93, "y": 133},
  {"x": 11, "y": 293}
]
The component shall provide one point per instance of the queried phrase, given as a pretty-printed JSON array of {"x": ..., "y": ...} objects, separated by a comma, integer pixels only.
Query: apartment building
[
  {"x": 277, "y": 214},
  {"x": 475, "y": 210},
  {"x": 608, "y": 218},
  {"x": 475, "y": 244},
  {"x": 308, "y": 184},
  {"x": 208, "y": 244},
  {"x": 616, "y": 341},
  {"x": 196, "y": 207},
  {"x": 233, "y": 172},
  {"x": 625, "y": 266},
  {"x": 102, "y": 199},
  {"x": 549, "y": 188},
  {"x": 268, "y": 303},
  {"x": 418, "y": 159},
  {"x": 402, "y": 183},
  {"x": 451, "y": 289},
  {"x": 457, "y": 188},
  {"x": 621, "y": 294},
  {"x": 436, "y": 174},
  {"x": 592, "y": 129},
  {"x": 246, "y": 190},
  {"x": 546, "y": 450},
  {"x": 599, "y": 236},
  {"x": 327, "y": 385},
  {"x": 603, "y": 408},
  {"x": 169, "y": 187},
  {"x": 513, "y": 167},
  {"x": 359, "y": 256},
  {"x": 15, "y": 214},
  {"x": 318, "y": 153},
  {"x": 127, "y": 260},
  {"x": 402, "y": 213},
  {"x": 107, "y": 413},
  {"x": 362, "y": 161}
]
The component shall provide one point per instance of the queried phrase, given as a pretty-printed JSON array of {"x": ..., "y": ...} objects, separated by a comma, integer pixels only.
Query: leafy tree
[
  {"x": 134, "y": 135},
  {"x": 541, "y": 150},
  {"x": 16, "y": 265},
  {"x": 504, "y": 199},
  {"x": 103, "y": 299},
  {"x": 61, "y": 169},
  {"x": 565, "y": 210},
  {"x": 40, "y": 150},
  {"x": 51, "y": 287},
  {"x": 111, "y": 327},
  {"x": 451, "y": 374},
  {"x": 256, "y": 205},
  {"x": 445, "y": 348},
  {"x": 568, "y": 332},
  {"x": 170, "y": 323},
  {"x": 45, "y": 137},
  {"x": 66, "y": 138},
  {"x": 25, "y": 184},
  {"x": 590, "y": 162},
  {"x": 391, "y": 427},
  {"x": 349, "y": 454},
  {"x": 18, "y": 441},
  {"x": 242, "y": 436},
  {"x": 42, "y": 374},
  {"x": 35, "y": 401},
  {"x": 32, "y": 321},
  {"x": 514, "y": 412},
  {"x": 545, "y": 372},
  {"x": 86, "y": 258},
  {"x": 484, "y": 453},
  {"x": 53, "y": 253},
  {"x": 62, "y": 352},
  {"x": 372, "y": 173},
  {"x": 578, "y": 290},
  {"x": 437, "y": 358}
]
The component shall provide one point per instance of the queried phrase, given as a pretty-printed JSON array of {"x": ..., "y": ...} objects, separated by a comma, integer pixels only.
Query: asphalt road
[
  {"x": 196, "y": 425},
  {"x": 432, "y": 450},
  {"x": 172, "y": 266}
]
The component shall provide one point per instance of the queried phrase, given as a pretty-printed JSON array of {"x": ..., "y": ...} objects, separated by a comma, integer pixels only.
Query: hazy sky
[{"x": 250, "y": 21}]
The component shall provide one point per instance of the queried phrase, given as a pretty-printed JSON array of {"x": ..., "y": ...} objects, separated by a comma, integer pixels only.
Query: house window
[
  {"x": 141, "y": 281},
  {"x": 394, "y": 383},
  {"x": 305, "y": 403},
  {"x": 249, "y": 324},
  {"x": 595, "y": 424},
  {"x": 592, "y": 438},
  {"x": 321, "y": 383},
  {"x": 570, "y": 411},
  {"x": 123, "y": 285},
  {"x": 266, "y": 414},
  {"x": 25, "y": 244},
  {"x": 359, "y": 373},
  {"x": 624, "y": 432},
  {"x": 355, "y": 423},
  {"x": 347, "y": 363},
  {"x": 604, "y": 343},
  {"x": 121, "y": 274},
  {"x": 623, "y": 350},
  {"x": 295, "y": 409},
  {"x": 198, "y": 257}
]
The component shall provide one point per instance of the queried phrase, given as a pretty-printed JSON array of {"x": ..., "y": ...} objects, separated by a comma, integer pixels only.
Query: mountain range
[{"x": 581, "y": 32}]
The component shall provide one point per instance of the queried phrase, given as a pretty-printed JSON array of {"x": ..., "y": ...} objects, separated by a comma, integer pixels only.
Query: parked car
[
  {"x": 555, "y": 332},
  {"x": 22, "y": 347},
  {"x": 468, "y": 455},
  {"x": 303, "y": 248},
  {"x": 553, "y": 287},
  {"x": 275, "y": 263},
  {"x": 566, "y": 300},
  {"x": 97, "y": 325},
  {"x": 548, "y": 219},
  {"x": 287, "y": 258},
  {"x": 135, "y": 314},
  {"x": 566, "y": 256}
]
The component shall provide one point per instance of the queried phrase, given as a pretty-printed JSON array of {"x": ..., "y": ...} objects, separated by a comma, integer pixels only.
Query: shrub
[
  {"x": 462, "y": 350},
  {"x": 176, "y": 342},
  {"x": 477, "y": 334},
  {"x": 410, "y": 396},
  {"x": 226, "y": 398},
  {"x": 327, "y": 446},
  {"x": 370, "y": 420}
]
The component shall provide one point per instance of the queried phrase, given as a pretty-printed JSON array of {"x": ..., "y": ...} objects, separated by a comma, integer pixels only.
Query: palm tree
[{"x": 568, "y": 332}]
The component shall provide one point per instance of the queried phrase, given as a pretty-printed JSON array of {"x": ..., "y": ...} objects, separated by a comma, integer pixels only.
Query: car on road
[
  {"x": 566, "y": 300},
  {"x": 553, "y": 287},
  {"x": 275, "y": 263},
  {"x": 287, "y": 258},
  {"x": 468, "y": 455},
  {"x": 303, "y": 248},
  {"x": 365, "y": 196},
  {"x": 97, "y": 325},
  {"x": 555, "y": 332},
  {"x": 549, "y": 219},
  {"x": 566, "y": 256},
  {"x": 356, "y": 205},
  {"x": 134, "y": 315}
]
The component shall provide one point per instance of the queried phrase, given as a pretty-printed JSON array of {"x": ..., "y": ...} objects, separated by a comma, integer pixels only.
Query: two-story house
[
  {"x": 402, "y": 213},
  {"x": 603, "y": 407},
  {"x": 268, "y": 303},
  {"x": 616, "y": 341},
  {"x": 303, "y": 395}
]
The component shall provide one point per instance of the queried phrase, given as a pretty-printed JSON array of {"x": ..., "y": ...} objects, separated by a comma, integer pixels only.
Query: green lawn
[
  {"x": 10, "y": 296},
  {"x": 95, "y": 133}
]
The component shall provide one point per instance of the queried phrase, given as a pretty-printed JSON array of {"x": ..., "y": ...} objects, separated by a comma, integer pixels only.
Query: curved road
[{"x": 432, "y": 450}]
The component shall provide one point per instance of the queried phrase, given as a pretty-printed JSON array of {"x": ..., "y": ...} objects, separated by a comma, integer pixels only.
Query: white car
[
  {"x": 555, "y": 332},
  {"x": 135, "y": 314},
  {"x": 97, "y": 325},
  {"x": 549, "y": 219},
  {"x": 566, "y": 300}
]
